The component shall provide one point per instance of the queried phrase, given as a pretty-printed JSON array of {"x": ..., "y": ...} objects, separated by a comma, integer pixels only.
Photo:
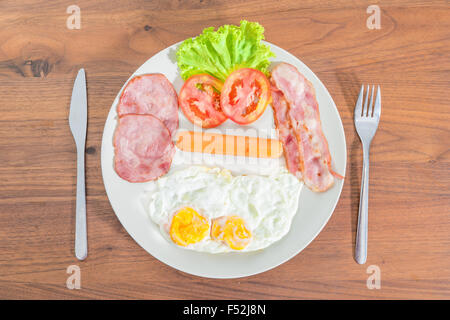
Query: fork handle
[
  {"x": 361, "y": 234},
  {"x": 80, "y": 218}
]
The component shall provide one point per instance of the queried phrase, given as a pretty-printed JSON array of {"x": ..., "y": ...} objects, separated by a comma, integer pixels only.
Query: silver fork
[{"x": 366, "y": 123}]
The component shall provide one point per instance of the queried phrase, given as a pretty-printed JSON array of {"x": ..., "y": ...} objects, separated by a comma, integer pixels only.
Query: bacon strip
[
  {"x": 304, "y": 122},
  {"x": 286, "y": 134}
]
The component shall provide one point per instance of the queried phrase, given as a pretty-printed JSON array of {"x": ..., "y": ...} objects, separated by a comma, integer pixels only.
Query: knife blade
[{"x": 78, "y": 124}]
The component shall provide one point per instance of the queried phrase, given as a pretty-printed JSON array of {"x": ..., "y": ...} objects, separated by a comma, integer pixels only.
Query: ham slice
[
  {"x": 295, "y": 93},
  {"x": 143, "y": 148},
  {"x": 151, "y": 94}
]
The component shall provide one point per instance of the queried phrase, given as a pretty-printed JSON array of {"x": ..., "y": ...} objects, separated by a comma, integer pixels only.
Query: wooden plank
[{"x": 410, "y": 161}]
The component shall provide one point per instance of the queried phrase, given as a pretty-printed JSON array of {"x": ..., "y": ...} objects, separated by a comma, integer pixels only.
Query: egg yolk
[
  {"x": 188, "y": 227},
  {"x": 231, "y": 230}
]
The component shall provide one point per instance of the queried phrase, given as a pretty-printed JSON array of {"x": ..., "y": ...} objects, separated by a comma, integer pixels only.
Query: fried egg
[{"x": 210, "y": 210}]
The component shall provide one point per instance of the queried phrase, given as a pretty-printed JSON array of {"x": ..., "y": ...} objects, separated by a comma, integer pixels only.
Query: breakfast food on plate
[
  {"x": 294, "y": 91},
  {"x": 218, "y": 53},
  {"x": 291, "y": 147},
  {"x": 143, "y": 148},
  {"x": 148, "y": 117},
  {"x": 232, "y": 231},
  {"x": 209, "y": 210},
  {"x": 234, "y": 55},
  {"x": 188, "y": 227},
  {"x": 216, "y": 143},
  {"x": 226, "y": 77},
  {"x": 245, "y": 95},
  {"x": 199, "y": 99},
  {"x": 225, "y": 73},
  {"x": 151, "y": 94}
]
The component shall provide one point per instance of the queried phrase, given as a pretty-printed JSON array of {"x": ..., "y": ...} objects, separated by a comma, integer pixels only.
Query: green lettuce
[{"x": 220, "y": 52}]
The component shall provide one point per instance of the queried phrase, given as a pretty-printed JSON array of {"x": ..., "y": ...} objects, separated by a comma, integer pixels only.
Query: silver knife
[{"x": 78, "y": 124}]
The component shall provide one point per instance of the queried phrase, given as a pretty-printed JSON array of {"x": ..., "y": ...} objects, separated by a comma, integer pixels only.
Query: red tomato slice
[
  {"x": 199, "y": 100},
  {"x": 245, "y": 95}
]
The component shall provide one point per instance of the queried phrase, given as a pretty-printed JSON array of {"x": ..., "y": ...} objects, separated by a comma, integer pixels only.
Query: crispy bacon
[
  {"x": 296, "y": 94},
  {"x": 286, "y": 134}
]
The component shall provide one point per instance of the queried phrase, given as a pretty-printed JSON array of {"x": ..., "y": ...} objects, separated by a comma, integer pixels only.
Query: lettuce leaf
[{"x": 220, "y": 52}]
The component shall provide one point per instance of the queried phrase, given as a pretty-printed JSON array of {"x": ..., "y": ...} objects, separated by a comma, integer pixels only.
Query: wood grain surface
[{"x": 409, "y": 221}]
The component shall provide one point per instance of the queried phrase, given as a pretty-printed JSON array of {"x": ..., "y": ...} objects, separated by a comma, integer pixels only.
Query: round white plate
[{"x": 314, "y": 208}]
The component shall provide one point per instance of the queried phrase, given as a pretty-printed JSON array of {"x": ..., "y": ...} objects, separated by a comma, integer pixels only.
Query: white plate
[{"x": 314, "y": 208}]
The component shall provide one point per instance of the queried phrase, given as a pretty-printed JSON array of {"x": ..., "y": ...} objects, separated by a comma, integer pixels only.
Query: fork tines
[{"x": 369, "y": 110}]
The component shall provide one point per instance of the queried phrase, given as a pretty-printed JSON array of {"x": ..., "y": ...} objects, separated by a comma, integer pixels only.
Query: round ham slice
[
  {"x": 143, "y": 148},
  {"x": 151, "y": 94}
]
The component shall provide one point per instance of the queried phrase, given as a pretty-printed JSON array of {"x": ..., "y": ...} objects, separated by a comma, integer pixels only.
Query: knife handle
[{"x": 80, "y": 219}]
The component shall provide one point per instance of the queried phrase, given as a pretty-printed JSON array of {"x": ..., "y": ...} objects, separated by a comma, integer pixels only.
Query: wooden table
[{"x": 410, "y": 161}]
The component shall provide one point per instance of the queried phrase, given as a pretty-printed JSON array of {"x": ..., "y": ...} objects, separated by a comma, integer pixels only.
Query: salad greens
[{"x": 218, "y": 53}]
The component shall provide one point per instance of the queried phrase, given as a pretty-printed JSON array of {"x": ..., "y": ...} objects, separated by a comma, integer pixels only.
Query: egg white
[{"x": 266, "y": 203}]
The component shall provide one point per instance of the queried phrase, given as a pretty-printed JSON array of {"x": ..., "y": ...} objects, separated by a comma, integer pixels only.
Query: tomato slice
[
  {"x": 245, "y": 95},
  {"x": 199, "y": 100}
]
